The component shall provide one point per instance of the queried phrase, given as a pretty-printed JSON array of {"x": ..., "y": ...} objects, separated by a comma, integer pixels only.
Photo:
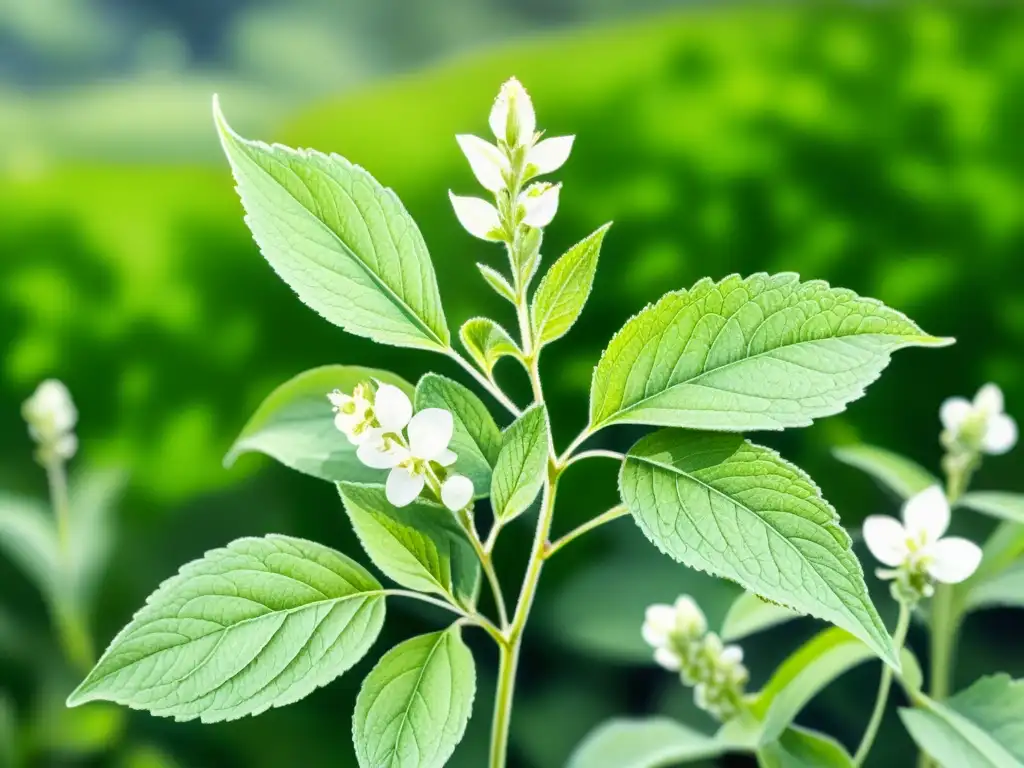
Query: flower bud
[
  {"x": 512, "y": 117},
  {"x": 51, "y": 416}
]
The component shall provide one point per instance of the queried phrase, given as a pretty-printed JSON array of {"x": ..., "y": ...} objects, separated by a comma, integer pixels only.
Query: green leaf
[
  {"x": 522, "y": 462},
  {"x": 420, "y": 546},
  {"x": 476, "y": 438},
  {"x": 295, "y": 425},
  {"x": 765, "y": 352},
  {"x": 260, "y": 623},
  {"x": 652, "y": 742},
  {"x": 1003, "y": 506},
  {"x": 804, "y": 674},
  {"x": 899, "y": 474},
  {"x": 28, "y": 537},
  {"x": 977, "y": 728},
  {"x": 803, "y": 748},
  {"x": 1002, "y": 590},
  {"x": 8, "y": 732},
  {"x": 750, "y": 614},
  {"x": 564, "y": 289},
  {"x": 498, "y": 282},
  {"x": 344, "y": 243},
  {"x": 414, "y": 705},
  {"x": 487, "y": 342},
  {"x": 721, "y": 504},
  {"x": 1003, "y": 546}
]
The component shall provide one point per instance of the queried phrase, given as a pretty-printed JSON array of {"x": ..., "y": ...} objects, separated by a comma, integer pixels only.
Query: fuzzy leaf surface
[
  {"x": 487, "y": 342},
  {"x": 522, "y": 462},
  {"x": 721, "y": 504},
  {"x": 260, "y": 623},
  {"x": 764, "y": 352}
]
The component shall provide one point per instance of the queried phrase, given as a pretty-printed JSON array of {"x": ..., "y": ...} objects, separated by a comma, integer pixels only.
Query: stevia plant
[{"x": 265, "y": 621}]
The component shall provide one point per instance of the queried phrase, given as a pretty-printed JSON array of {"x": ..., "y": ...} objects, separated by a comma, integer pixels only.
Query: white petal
[
  {"x": 732, "y": 654},
  {"x": 446, "y": 458},
  {"x": 926, "y": 515},
  {"x": 373, "y": 454},
  {"x": 659, "y": 623},
  {"x": 668, "y": 659},
  {"x": 430, "y": 431},
  {"x": 689, "y": 617},
  {"x": 954, "y": 412},
  {"x": 540, "y": 208},
  {"x": 886, "y": 539},
  {"x": 486, "y": 160},
  {"x": 989, "y": 399},
  {"x": 392, "y": 407},
  {"x": 338, "y": 398},
  {"x": 403, "y": 487},
  {"x": 550, "y": 154},
  {"x": 478, "y": 217},
  {"x": 457, "y": 492},
  {"x": 953, "y": 559},
  {"x": 513, "y": 98},
  {"x": 1000, "y": 434}
]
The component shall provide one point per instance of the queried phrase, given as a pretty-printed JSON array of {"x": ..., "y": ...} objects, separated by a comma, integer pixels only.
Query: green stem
[
  {"x": 899, "y": 638},
  {"x": 597, "y": 453},
  {"x": 605, "y": 517},
  {"x": 484, "y": 381},
  {"x": 507, "y": 664}
]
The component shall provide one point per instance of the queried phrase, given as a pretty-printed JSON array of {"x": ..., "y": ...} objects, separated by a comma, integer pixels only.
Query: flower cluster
[
  {"x": 973, "y": 428},
  {"x": 915, "y": 549},
  {"x": 51, "y": 417},
  {"x": 681, "y": 641},
  {"x": 519, "y": 157},
  {"x": 378, "y": 418}
]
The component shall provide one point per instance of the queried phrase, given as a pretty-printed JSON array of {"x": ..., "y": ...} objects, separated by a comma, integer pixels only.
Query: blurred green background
[{"x": 876, "y": 146}]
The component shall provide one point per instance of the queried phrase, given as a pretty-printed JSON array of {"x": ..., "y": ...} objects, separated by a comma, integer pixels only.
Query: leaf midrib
[
  {"x": 695, "y": 379},
  {"x": 442, "y": 637},
  {"x": 407, "y": 311},
  {"x": 540, "y": 323},
  {"x": 721, "y": 494}
]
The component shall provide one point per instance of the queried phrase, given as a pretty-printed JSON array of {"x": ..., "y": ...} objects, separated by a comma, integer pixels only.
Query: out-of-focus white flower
[
  {"x": 540, "y": 203},
  {"x": 478, "y": 217},
  {"x": 980, "y": 425},
  {"x": 353, "y": 414},
  {"x": 916, "y": 547},
  {"x": 512, "y": 118},
  {"x": 51, "y": 416},
  {"x": 681, "y": 641},
  {"x": 457, "y": 492}
]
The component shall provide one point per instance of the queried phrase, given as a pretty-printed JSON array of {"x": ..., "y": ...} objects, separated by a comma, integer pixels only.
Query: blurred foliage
[{"x": 876, "y": 148}]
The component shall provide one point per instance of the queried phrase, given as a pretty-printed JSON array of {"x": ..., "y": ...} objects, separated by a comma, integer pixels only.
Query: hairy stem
[
  {"x": 899, "y": 638},
  {"x": 507, "y": 664},
  {"x": 605, "y": 517},
  {"x": 473, "y": 618},
  {"x": 576, "y": 443},
  {"x": 597, "y": 453},
  {"x": 484, "y": 381}
]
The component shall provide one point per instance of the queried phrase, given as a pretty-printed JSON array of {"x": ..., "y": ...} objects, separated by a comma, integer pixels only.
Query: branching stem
[
  {"x": 614, "y": 513},
  {"x": 899, "y": 638}
]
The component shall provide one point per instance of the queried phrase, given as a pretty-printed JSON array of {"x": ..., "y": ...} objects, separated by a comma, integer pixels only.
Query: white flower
[
  {"x": 980, "y": 425},
  {"x": 478, "y": 217},
  {"x": 353, "y": 413},
  {"x": 512, "y": 117},
  {"x": 52, "y": 416},
  {"x": 666, "y": 626},
  {"x": 457, "y": 492},
  {"x": 916, "y": 545},
  {"x": 548, "y": 155},
  {"x": 429, "y": 433},
  {"x": 539, "y": 203},
  {"x": 489, "y": 163}
]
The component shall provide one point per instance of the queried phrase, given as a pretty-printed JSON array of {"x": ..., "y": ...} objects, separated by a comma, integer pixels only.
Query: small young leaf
[
  {"x": 260, "y": 623},
  {"x": 803, "y": 748},
  {"x": 519, "y": 471},
  {"x": 979, "y": 727},
  {"x": 721, "y": 504},
  {"x": 295, "y": 425},
  {"x": 749, "y": 614},
  {"x": 498, "y": 282},
  {"x": 487, "y": 342},
  {"x": 644, "y": 743},
  {"x": 345, "y": 244},
  {"x": 899, "y": 474},
  {"x": 803, "y": 675},
  {"x": 564, "y": 289},
  {"x": 420, "y": 546},
  {"x": 1004, "y": 506},
  {"x": 476, "y": 439},
  {"x": 414, "y": 705},
  {"x": 765, "y": 352}
]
